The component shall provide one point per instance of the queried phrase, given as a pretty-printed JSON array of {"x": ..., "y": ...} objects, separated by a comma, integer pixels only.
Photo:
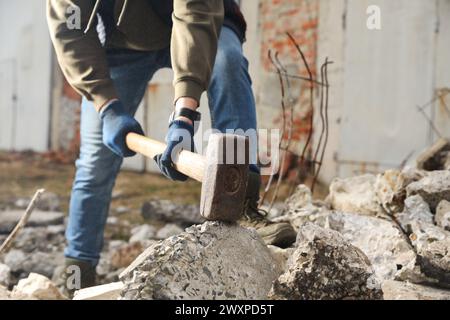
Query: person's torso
[{"x": 146, "y": 24}]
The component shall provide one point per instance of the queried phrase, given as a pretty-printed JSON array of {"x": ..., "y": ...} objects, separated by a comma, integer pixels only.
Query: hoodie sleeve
[
  {"x": 195, "y": 33},
  {"x": 80, "y": 55}
]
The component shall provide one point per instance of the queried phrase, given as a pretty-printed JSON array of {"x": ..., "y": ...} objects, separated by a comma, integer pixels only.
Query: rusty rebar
[
  {"x": 279, "y": 66},
  {"x": 283, "y": 127},
  {"x": 326, "y": 124}
]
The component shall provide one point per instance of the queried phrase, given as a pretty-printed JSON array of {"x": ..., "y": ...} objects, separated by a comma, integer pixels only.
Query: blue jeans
[{"x": 231, "y": 104}]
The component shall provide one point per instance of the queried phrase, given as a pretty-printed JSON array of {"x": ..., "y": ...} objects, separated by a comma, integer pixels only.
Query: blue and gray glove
[
  {"x": 117, "y": 123},
  {"x": 179, "y": 137}
]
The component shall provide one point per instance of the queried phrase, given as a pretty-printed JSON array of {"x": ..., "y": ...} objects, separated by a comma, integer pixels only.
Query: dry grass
[{"x": 22, "y": 173}]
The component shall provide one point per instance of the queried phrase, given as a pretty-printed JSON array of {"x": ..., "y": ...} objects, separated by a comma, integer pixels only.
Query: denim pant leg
[
  {"x": 230, "y": 95},
  {"x": 97, "y": 166}
]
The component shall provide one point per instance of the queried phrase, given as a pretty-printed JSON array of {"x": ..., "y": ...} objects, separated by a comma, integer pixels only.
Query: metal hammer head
[{"x": 225, "y": 179}]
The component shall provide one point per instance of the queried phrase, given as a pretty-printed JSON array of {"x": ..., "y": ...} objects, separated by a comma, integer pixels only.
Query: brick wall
[{"x": 300, "y": 19}]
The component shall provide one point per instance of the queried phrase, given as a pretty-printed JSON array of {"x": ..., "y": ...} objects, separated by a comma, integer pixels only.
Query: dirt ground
[{"x": 21, "y": 174}]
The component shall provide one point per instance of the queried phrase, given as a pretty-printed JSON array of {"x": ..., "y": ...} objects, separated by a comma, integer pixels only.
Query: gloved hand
[
  {"x": 117, "y": 123},
  {"x": 179, "y": 137}
]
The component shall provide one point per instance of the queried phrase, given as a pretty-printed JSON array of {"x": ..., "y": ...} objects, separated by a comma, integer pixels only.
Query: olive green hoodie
[{"x": 193, "y": 41}]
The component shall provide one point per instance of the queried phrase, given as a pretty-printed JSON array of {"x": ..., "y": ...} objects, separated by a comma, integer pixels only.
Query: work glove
[
  {"x": 117, "y": 123},
  {"x": 179, "y": 137}
]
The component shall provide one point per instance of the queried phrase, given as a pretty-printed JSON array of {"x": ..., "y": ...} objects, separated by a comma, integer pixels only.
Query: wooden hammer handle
[{"x": 188, "y": 163}]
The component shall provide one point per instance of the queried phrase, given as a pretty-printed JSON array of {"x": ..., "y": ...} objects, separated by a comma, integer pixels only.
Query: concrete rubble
[
  {"x": 374, "y": 237},
  {"x": 36, "y": 287},
  {"x": 208, "y": 261},
  {"x": 5, "y": 275},
  {"x": 397, "y": 290},
  {"x": 433, "y": 188},
  {"x": 381, "y": 240},
  {"x": 326, "y": 266},
  {"x": 167, "y": 211},
  {"x": 356, "y": 195},
  {"x": 442, "y": 217},
  {"x": 9, "y": 219}
]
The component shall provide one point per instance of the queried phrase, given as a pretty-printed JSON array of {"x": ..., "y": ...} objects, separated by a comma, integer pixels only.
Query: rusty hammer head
[{"x": 225, "y": 178}]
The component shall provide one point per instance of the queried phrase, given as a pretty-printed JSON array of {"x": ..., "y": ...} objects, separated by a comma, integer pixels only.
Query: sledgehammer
[{"x": 223, "y": 172}]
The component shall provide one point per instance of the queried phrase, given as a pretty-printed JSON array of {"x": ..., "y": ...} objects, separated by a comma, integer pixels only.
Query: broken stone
[
  {"x": 432, "y": 245},
  {"x": 281, "y": 256},
  {"x": 390, "y": 188},
  {"x": 44, "y": 239},
  {"x": 9, "y": 219},
  {"x": 396, "y": 290},
  {"x": 142, "y": 233},
  {"x": 209, "y": 261},
  {"x": 325, "y": 266},
  {"x": 433, "y": 188},
  {"x": 36, "y": 286},
  {"x": 298, "y": 217},
  {"x": 356, "y": 195},
  {"x": 125, "y": 255},
  {"x": 48, "y": 201},
  {"x": 381, "y": 240},
  {"x": 121, "y": 210},
  {"x": 4, "y": 293},
  {"x": 415, "y": 210},
  {"x": 301, "y": 198},
  {"x": 434, "y": 157},
  {"x": 277, "y": 210},
  {"x": 442, "y": 217},
  {"x": 5, "y": 275},
  {"x": 168, "y": 230},
  {"x": 168, "y": 211},
  {"x": 22, "y": 263},
  {"x": 110, "y": 291},
  {"x": 14, "y": 260}
]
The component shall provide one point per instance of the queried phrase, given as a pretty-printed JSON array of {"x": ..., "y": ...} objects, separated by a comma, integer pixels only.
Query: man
[{"x": 201, "y": 40}]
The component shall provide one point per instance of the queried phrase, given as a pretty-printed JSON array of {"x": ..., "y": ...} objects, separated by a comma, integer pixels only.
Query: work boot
[
  {"x": 77, "y": 274},
  {"x": 280, "y": 234}
]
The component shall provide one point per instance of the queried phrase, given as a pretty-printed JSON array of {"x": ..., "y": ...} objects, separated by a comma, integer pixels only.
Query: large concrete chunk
[
  {"x": 326, "y": 266},
  {"x": 390, "y": 188},
  {"x": 415, "y": 210},
  {"x": 382, "y": 241},
  {"x": 433, "y": 188},
  {"x": 396, "y": 290},
  {"x": 356, "y": 195},
  {"x": 209, "y": 261},
  {"x": 9, "y": 219},
  {"x": 432, "y": 245}
]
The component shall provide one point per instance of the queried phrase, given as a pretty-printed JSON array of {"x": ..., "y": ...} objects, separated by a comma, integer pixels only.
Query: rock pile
[
  {"x": 374, "y": 237},
  {"x": 326, "y": 266}
]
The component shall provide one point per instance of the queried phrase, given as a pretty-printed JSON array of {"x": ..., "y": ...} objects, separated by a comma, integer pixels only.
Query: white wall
[
  {"x": 379, "y": 78},
  {"x": 25, "y": 66}
]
